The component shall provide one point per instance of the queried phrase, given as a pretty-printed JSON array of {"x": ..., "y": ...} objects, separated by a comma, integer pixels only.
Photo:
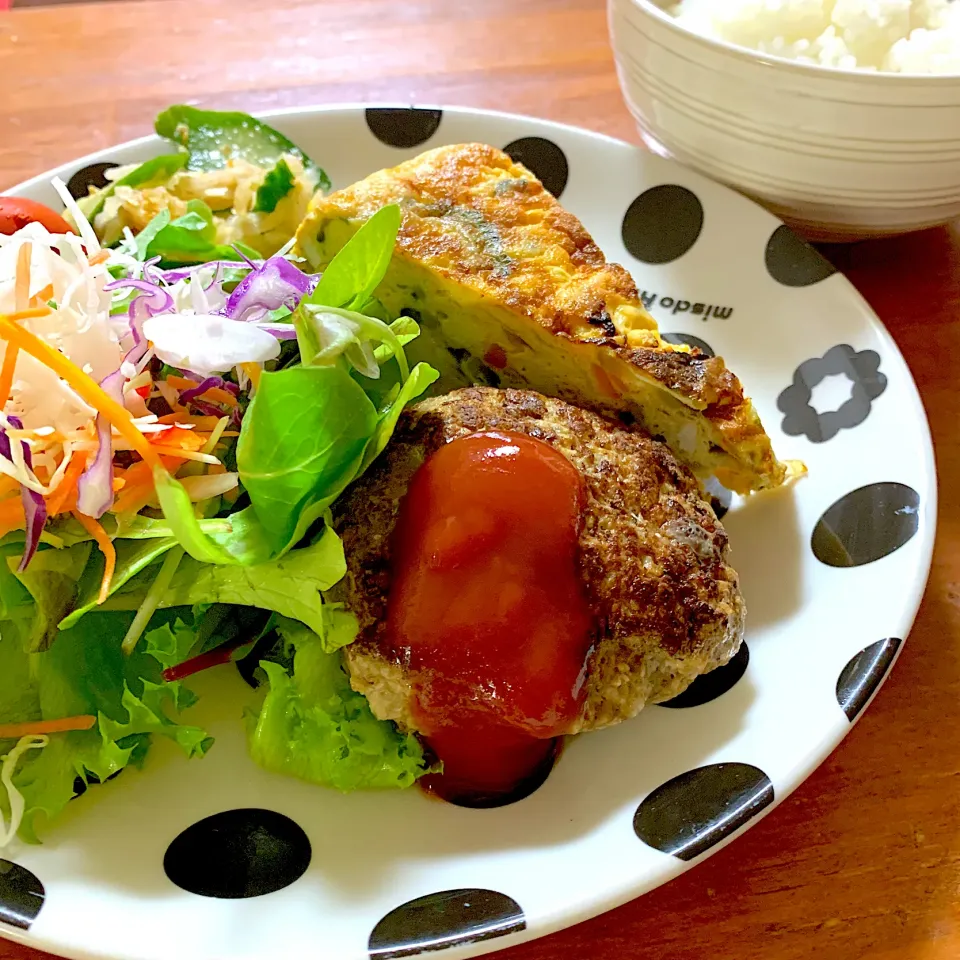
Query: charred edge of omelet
[
  {"x": 489, "y": 283},
  {"x": 471, "y": 340}
]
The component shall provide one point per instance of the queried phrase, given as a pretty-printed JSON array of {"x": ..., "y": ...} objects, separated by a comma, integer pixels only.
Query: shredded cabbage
[{"x": 15, "y": 799}]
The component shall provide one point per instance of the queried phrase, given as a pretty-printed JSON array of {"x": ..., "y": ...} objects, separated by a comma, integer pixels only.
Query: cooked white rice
[{"x": 899, "y": 36}]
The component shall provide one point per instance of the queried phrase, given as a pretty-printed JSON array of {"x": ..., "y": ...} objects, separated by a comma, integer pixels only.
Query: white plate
[{"x": 392, "y": 874}]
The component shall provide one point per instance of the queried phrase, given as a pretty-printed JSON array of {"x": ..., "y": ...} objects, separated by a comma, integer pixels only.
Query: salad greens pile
[{"x": 237, "y": 576}]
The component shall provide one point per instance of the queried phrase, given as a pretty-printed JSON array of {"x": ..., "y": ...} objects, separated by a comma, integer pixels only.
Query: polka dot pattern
[
  {"x": 721, "y": 503},
  {"x": 21, "y": 895},
  {"x": 248, "y": 853},
  {"x": 863, "y": 675},
  {"x": 860, "y": 367},
  {"x": 446, "y": 919},
  {"x": 93, "y": 175},
  {"x": 403, "y": 127},
  {"x": 690, "y": 341},
  {"x": 662, "y": 224},
  {"x": 530, "y": 783},
  {"x": 690, "y": 813},
  {"x": 238, "y": 854},
  {"x": 714, "y": 684},
  {"x": 544, "y": 159},
  {"x": 866, "y": 525},
  {"x": 793, "y": 262}
]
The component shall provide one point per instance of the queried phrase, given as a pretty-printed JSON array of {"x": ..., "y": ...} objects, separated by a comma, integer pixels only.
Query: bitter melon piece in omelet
[{"x": 510, "y": 290}]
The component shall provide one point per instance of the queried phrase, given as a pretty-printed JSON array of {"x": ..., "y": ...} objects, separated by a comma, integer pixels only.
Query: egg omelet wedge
[{"x": 510, "y": 290}]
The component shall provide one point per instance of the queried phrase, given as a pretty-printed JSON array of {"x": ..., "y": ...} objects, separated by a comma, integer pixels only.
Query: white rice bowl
[{"x": 896, "y": 36}]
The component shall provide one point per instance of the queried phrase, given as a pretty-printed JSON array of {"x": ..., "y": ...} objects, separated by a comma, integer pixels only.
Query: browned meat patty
[{"x": 653, "y": 556}]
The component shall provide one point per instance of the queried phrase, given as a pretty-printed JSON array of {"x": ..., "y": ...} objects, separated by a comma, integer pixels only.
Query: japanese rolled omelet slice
[{"x": 511, "y": 291}]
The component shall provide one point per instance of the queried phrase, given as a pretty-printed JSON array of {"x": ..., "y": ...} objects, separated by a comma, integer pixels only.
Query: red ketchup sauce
[{"x": 488, "y": 611}]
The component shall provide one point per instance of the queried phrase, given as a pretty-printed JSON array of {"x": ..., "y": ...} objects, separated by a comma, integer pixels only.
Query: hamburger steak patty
[{"x": 653, "y": 556}]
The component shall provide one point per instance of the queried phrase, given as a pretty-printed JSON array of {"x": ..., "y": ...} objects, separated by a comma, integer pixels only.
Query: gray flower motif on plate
[{"x": 860, "y": 367}]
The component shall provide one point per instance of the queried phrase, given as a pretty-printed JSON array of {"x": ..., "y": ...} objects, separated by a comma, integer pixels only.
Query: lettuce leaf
[
  {"x": 360, "y": 264},
  {"x": 84, "y": 672},
  {"x": 314, "y": 726},
  {"x": 302, "y": 441},
  {"x": 133, "y": 556},
  {"x": 52, "y": 580},
  {"x": 313, "y": 429},
  {"x": 290, "y": 585},
  {"x": 188, "y": 239}
]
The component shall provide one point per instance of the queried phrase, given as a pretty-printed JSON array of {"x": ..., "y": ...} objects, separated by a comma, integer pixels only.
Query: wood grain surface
[{"x": 864, "y": 859}]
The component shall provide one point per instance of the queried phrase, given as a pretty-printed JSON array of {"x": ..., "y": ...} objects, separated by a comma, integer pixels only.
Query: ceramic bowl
[{"x": 839, "y": 155}]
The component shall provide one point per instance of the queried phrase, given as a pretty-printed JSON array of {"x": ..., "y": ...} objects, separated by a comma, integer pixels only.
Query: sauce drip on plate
[{"x": 488, "y": 611}]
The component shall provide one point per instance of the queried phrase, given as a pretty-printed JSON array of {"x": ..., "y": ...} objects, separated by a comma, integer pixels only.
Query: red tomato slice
[{"x": 17, "y": 212}]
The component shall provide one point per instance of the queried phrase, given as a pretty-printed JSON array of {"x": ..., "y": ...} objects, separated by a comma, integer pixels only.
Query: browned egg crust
[
  {"x": 653, "y": 555},
  {"x": 483, "y": 230}
]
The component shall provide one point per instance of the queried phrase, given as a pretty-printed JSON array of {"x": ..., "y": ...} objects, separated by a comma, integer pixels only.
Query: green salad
[{"x": 182, "y": 405}]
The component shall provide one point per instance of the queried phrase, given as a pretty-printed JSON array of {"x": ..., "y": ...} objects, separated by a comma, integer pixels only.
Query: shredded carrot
[
  {"x": 64, "y": 498},
  {"x": 54, "y": 436},
  {"x": 216, "y": 395},
  {"x": 8, "y": 485},
  {"x": 11, "y": 515},
  {"x": 27, "y": 314},
  {"x": 133, "y": 499},
  {"x": 201, "y": 423},
  {"x": 21, "y": 294},
  {"x": 252, "y": 370},
  {"x": 37, "y": 728},
  {"x": 42, "y": 296},
  {"x": 84, "y": 385},
  {"x": 106, "y": 547},
  {"x": 101, "y": 256},
  {"x": 177, "y": 437},
  {"x": 137, "y": 490},
  {"x": 6, "y": 373}
]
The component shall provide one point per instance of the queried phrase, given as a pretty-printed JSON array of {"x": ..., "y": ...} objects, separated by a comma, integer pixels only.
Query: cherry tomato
[{"x": 17, "y": 212}]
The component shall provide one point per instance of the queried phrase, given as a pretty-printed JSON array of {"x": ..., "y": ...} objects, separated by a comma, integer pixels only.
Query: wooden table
[{"x": 864, "y": 859}]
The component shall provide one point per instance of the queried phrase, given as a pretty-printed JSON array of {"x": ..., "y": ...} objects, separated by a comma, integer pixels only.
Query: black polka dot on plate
[
  {"x": 238, "y": 854},
  {"x": 21, "y": 895},
  {"x": 544, "y": 159},
  {"x": 93, "y": 175},
  {"x": 721, "y": 498},
  {"x": 446, "y": 919},
  {"x": 716, "y": 683},
  {"x": 662, "y": 224},
  {"x": 690, "y": 341},
  {"x": 863, "y": 675},
  {"x": 866, "y": 525},
  {"x": 721, "y": 503},
  {"x": 403, "y": 126},
  {"x": 793, "y": 262},
  {"x": 690, "y": 813}
]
